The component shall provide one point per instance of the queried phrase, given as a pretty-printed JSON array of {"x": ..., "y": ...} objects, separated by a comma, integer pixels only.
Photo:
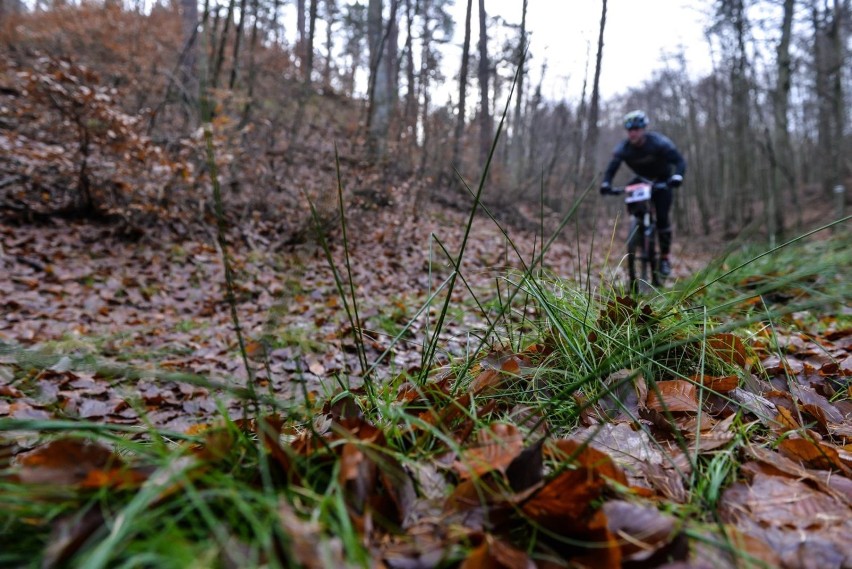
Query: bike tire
[
  {"x": 650, "y": 260},
  {"x": 634, "y": 244}
]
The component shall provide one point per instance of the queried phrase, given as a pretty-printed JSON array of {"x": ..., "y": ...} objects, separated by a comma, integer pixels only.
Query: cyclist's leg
[
  {"x": 662, "y": 204},
  {"x": 663, "y": 198}
]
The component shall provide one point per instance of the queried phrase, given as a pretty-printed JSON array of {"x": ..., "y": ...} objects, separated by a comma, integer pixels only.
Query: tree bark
[
  {"x": 330, "y": 14},
  {"x": 838, "y": 106},
  {"x": 486, "y": 125},
  {"x": 411, "y": 87},
  {"x": 252, "y": 70},
  {"x": 518, "y": 126},
  {"x": 220, "y": 52},
  {"x": 594, "y": 107},
  {"x": 189, "y": 31},
  {"x": 301, "y": 31},
  {"x": 425, "y": 68},
  {"x": 741, "y": 103},
  {"x": 309, "y": 46},
  {"x": 237, "y": 42},
  {"x": 780, "y": 109},
  {"x": 465, "y": 60},
  {"x": 379, "y": 98}
]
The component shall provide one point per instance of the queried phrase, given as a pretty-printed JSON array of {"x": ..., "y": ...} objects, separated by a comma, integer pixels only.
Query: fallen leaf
[
  {"x": 672, "y": 396},
  {"x": 729, "y": 348},
  {"x": 494, "y": 553},
  {"x": 814, "y": 454},
  {"x": 497, "y": 446},
  {"x": 588, "y": 456},
  {"x": 718, "y": 384}
]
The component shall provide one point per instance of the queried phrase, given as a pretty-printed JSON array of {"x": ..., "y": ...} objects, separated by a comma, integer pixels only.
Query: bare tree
[
  {"x": 780, "y": 109},
  {"x": 301, "y": 31},
  {"x": 837, "y": 33},
  {"x": 517, "y": 130},
  {"x": 237, "y": 42},
  {"x": 380, "y": 99},
  {"x": 465, "y": 60},
  {"x": 252, "y": 69},
  {"x": 410, "y": 112},
  {"x": 331, "y": 12},
  {"x": 592, "y": 134},
  {"x": 189, "y": 31},
  {"x": 309, "y": 47},
  {"x": 220, "y": 50},
  {"x": 486, "y": 124}
]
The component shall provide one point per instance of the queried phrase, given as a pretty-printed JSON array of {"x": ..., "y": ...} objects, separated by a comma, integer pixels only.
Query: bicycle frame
[{"x": 642, "y": 238}]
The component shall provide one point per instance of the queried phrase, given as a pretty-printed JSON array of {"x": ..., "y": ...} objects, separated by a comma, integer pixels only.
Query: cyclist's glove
[
  {"x": 675, "y": 181},
  {"x": 606, "y": 188}
]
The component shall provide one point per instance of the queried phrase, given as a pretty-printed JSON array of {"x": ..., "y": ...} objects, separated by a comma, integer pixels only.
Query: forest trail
[{"x": 162, "y": 305}]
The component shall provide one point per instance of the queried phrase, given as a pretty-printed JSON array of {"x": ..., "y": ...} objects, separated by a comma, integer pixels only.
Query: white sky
[{"x": 637, "y": 37}]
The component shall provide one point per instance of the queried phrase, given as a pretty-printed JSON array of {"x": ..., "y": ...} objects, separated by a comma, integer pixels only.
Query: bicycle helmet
[{"x": 635, "y": 119}]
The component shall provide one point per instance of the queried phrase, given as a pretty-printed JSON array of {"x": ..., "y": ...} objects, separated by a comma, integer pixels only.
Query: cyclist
[{"x": 654, "y": 157}]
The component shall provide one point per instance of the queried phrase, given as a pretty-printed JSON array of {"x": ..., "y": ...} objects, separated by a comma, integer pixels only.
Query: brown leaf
[
  {"x": 814, "y": 454},
  {"x": 729, "y": 348},
  {"x": 487, "y": 381},
  {"x": 785, "y": 421},
  {"x": 74, "y": 462},
  {"x": 591, "y": 458},
  {"x": 718, "y": 384},
  {"x": 567, "y": 502},
  {"x": 641, "y": 530},
  {"x": 718, "y": 436},
  {"x": 782, "y": 502},
  {"x": 9, "y": 391},
  {"x": 497, "y": 447},
  {"x": 673, "y": 396},
  {"x": 493, "y": 553}
]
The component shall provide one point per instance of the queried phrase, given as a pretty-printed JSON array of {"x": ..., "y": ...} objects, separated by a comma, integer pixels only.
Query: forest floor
[
  {"x": 100, "y": 329},
  {"x": 161, "y": 304}
]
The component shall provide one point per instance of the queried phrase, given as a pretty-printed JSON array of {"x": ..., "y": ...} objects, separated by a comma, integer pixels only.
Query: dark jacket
[{"x": 656, "y": 159}]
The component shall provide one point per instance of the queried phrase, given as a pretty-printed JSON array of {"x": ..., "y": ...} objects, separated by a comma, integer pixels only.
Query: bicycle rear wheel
[
  {"x": 649, "y": 261},
  {"x": 634, "y": 244}
]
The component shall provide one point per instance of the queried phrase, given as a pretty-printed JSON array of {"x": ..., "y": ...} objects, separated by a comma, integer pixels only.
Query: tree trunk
[
  {"x": 460, "y": 119},
  {"x": 486, "y": 125},
  {"x": 301, "y": 31},
  {"x": 252, "y": 70},
  {"x": 411, "y": 87},
  {"x": 838, "y": 107},
  {"x": 780, "y": 108},
  {"x": 309, "y": 46},
  {"x": 594, "y": 107},
  {"x": 330, "y": 14},
  {"x": 220, "y": 55},
  {"x": 379, "y": 99},
  {"x": 392, "y": 54},
  {"x": 237, "y": 42},
  {"x": 189, "y": 31},
  {"x": 517, "y": 130},
  {"x": 828, "y": 50},
  {"x": 740, "y": 208},
  {"x": 425, "y": 68}
]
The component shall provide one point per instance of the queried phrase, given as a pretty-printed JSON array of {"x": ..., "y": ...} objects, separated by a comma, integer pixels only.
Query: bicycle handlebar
[{"x": 618, "y": 190}]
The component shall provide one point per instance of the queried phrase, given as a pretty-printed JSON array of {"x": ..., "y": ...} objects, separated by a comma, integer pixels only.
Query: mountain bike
[{"x": 642, "y": 238}]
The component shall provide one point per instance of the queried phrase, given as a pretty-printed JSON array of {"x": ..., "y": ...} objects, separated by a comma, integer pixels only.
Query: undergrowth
[{"x": 277, "y": 489}]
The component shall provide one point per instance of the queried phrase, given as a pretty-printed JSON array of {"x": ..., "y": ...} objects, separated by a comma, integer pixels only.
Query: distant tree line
[{"x": 770, "y": 121}]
